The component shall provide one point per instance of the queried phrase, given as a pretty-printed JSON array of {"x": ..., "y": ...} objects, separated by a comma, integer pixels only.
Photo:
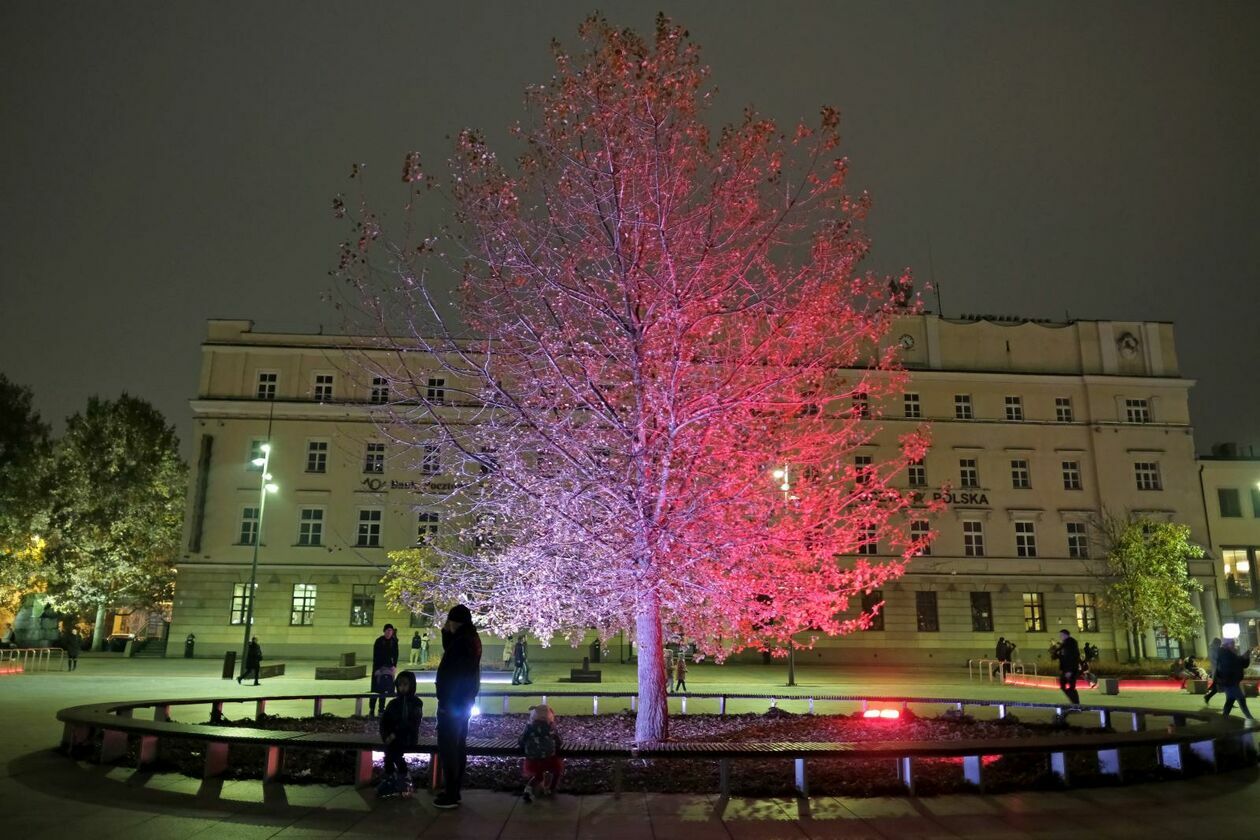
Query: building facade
[
  {"x": 1037, "y": 428},
  {"x": 1230, "y": 484}
]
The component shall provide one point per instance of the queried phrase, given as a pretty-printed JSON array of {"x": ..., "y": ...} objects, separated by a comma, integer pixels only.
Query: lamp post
[
  {"x": 784, "y": 477},
  {"x": 265, "y": 486}
]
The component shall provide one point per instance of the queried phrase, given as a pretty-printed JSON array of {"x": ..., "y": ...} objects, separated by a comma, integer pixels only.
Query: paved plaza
[{"x": 44, "y": 793}]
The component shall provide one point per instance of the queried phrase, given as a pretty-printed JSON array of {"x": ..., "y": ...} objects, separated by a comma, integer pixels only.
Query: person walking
[
  {"x": 1214, "y": 650},
  {"x": 456, "y": 684},
  {"x": 1000, "y": 655},
  {"x": 73, "y": 644},
  {"x": 384, "y": 663},
  {"x": 520, "y": 657},
  {"x": 1230, "y": 667},
  {"x": 415, "y": 648},
  {"x": 509, "y": 655},
  {"x": 1069, "y": 666},
  {"x": 680, "y": 673},
  {"x": 400, "y": 731},
  {"x": 253, "y": 661},
  {"x": 669, "y": 671}
]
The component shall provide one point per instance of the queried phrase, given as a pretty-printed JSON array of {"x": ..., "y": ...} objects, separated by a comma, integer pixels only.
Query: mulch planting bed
[{"x": 759, "y": 777}]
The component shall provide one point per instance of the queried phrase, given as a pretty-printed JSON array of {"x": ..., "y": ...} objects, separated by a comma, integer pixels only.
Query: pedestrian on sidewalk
[
  {"x": 73, "y": 644},
  {"x": 520, "y": 655},
  {"x": 456, "y": 684},
  {"x": 680, "y": 673},
  {"x": 1214, "y": 650},
  {"x": 1230, "y": 666},
  {"x": 1069, "y": 666},
  {"x": 669, "y": 671},
  {"x": 384, "y": 664},
  {"x": 253, "y": 661},
  {"x": 400, "y": 731},
  {"x": 415, "y": 648}
]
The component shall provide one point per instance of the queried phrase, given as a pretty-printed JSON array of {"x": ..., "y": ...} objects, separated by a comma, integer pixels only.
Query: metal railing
[
  {"x": 33, "y": 659},
  {"x": 986, "y": 667}
]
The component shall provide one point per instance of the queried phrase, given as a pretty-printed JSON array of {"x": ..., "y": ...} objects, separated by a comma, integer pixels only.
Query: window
[
  {"x": 369, "y": 528},
  {"x": 1034, "y": 612},
  {"x": 249, "y": 526},
  {"x": 1014, "y": 408},
  {"x": 303, "y": 611},
  {"x": 311, "y": 526},
  {"x": 426, "y": 526},
  {"x": 267, "y": 381},
  {"x": 379, "y": 395},
  {"x": 1086, "y": 612},
  {"x": 1255, "y": 502},
  {"x": 912, "y": 409},
  {"x": 968, "y": 472},
  {"x": 1137, "y": 411},
  {"x": 1025, "y": 539},
  {"x": 917, "y": 473},
  {"x": 1237, "y": 572},
  {"x": 316, "y": 456},
  {"x": 362, "y": 604},
  {"x": 1230, "y": 502},
  {"x": 1021, "y": 476},
  {"x": 862, "y": 469},
  {"x": 973, "y": 538},
  {"x": 962, "y": 407},
  {"x": 919, "y": 532},
  {"x": 1166, "y": 647},
  {"x": 255, "y": 452},
  {"x": 861, "y": 405},
  {"x": 982, "y": 612},
  {"x": 323, "y": 391},
  {"x": 871, "y": 600},
  {"x": 1072, "y": 475},
  {"x": 925, "y": 612},
  {"x": 374, "y": 458},
  {"x": 431, "y": 460},
  {"x": 1063, "y": 409},
  {"x": 240, "y": 603},
  {"x": 436, "y": 390},
  {"x": 1077, "y": 541},
  {"x": 870, "y": 540},
  {"x": 1147, "y": 475}
]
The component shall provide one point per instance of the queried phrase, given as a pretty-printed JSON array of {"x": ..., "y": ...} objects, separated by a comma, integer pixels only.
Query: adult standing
[
  {"x": 1001, "y": 654},
  {"x": 384, "y": 663},
  {"x": 73, "y": 644},
  {"x": 1230, "y": 667},
  {"x": 253, "y": 661},
  {"x": 415, "y": 647},
  {"x": 1069, "y": 666},
  {"x": 520, "y": 657},
  {"x": 456, "y": 684},
  {"x": 1214, "y": 651}
]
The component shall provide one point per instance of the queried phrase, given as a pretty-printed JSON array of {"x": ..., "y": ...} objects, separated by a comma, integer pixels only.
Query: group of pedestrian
[
  {"x": 1228, "y": 668},
  {"x": 1004, "y": 653},
  {"x": 420, "y": 648},
  {"x": 675, "y": 671}
]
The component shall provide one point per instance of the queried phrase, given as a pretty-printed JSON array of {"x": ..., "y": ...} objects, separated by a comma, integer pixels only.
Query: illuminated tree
[
  {"x": 24, "y": 449},
  {"x": 661, "y": 317}
]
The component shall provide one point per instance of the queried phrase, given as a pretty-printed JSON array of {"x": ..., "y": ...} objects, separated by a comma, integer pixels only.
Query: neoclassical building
[{"x": 1037, "y": 428}]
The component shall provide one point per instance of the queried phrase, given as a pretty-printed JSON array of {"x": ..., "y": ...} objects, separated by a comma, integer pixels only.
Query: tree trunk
[
  {"x": 98, "y": 629},
  {"x": 652, "y": 721}
]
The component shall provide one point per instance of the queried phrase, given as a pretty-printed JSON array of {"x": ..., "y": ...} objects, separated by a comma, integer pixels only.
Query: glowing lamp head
[
  {"x": 258, "y": 462},
  {"x": 1230, "y": 630},
  {"x": 265, "y": 448},
  {"x": 778, "y": 474},
  {"x": 271, "y": 488},
  {"x": 881, "y": 714}
]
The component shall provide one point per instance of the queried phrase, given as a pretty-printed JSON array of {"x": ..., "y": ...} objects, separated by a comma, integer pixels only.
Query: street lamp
[
  {"x": 265, "y": 486},
  {"x": 784, "y": 478}
]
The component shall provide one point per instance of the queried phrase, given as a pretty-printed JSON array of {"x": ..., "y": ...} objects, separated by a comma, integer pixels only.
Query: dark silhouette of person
[
  {"x": 400, "y": 729},
  {"x": 1069, "y": 666},
  {"x": 1230, "y": 667},
  {"x": 253, "y": 661},
  {"x": 384, "y": 663},
  {"x": 456, "y": 684}
]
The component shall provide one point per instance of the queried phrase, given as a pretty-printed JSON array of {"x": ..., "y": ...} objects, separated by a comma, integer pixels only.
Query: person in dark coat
[
  {"x": 73, "y": 644},
  {"x": 400, "y": 729},
  {"x": 384, "y": 663},
  {"x": 1069, "y": 666},
  {"x": 253, "y": 661},
  {"x": 415, "y": 648},
  {"x": 520, "y": 658},
  {"x": 1000, "y": 653},
  {"x": 1230, "y": 667},
  {"x": 456, "y": 684},
  {"x": 1214, "y": 650}
]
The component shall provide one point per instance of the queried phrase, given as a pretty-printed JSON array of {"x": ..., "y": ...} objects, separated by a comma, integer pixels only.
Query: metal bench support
[
  {"x": 1059, "y": 767},
  {"x": 905, "y": 773},
  {"x": 724, "y": 776},
  {"x": 273, "y": 765},
  {"x": 973, "y": 771},
  {"x": 1170, "y": 756},
  {"x": 162, "y": 713},
  {"x": 148, "y": 750},
  {"x": 363, "y": 768},
  {"x": 319, "y": 706},
  {"x": 1139, "y": 722},
  {"x": 260, "y": 709},
  {"x": 113, "y": 745},
  {"x": 1205, "y": 751},
  {"x": 802, "y": 779},
  {"x": 507, "y": 700},
  {"x": 1109, "y": 763},
  {"x": 722, "y": 705},
  {"x": 358, "y": 707}
]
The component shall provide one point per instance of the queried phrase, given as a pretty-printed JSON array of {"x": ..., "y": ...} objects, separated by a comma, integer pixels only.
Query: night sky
[{"x": 167, "y": 163}]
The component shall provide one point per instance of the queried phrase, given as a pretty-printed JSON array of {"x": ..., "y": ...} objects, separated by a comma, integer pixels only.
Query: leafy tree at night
[
  {"x": 661, "y": 316},
  {"x": 24, "y": 451},
  {"x": 1148, "y": 582},
  {"x": 117, "y": 508}
]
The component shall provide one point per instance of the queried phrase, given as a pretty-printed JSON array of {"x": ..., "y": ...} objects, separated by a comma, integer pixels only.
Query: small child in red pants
[{"x": 540, "y": 742}]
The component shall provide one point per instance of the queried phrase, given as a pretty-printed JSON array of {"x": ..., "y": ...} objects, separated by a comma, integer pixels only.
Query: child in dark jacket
[
  {"x": 540, "y": 742},
  {"x": 400, "y": 731}
]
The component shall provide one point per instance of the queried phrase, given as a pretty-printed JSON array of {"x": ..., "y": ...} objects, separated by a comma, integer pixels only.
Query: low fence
[
  {"x": 1176, "y": 737},
  {"x": 30, "y": 659}
]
